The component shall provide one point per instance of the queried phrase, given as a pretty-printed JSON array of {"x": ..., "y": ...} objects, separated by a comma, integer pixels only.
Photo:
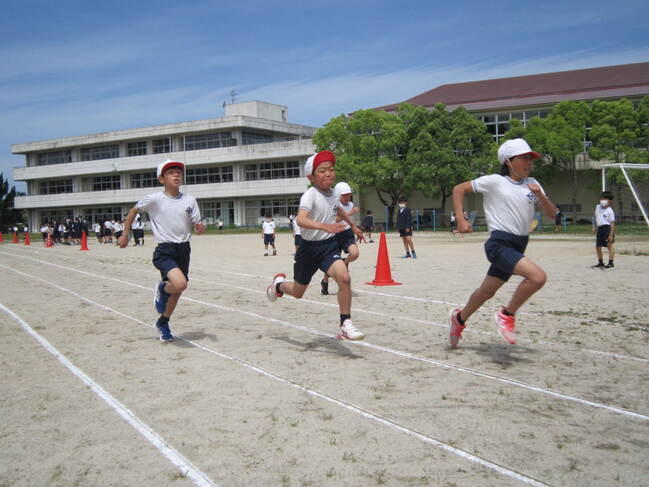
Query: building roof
[{"x": 539, "y": 89}]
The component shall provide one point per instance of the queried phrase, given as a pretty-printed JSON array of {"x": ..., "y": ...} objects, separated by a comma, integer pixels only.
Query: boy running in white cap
[
  {"x": 509, "y": 200},
  {"x": 172, "y": 215},
  {"x": 320, "y": 248},
  {"x": 346, "y": 238}
]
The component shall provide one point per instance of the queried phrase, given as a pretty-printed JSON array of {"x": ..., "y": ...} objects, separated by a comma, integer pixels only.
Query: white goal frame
[{"x": 623, "y": 168}]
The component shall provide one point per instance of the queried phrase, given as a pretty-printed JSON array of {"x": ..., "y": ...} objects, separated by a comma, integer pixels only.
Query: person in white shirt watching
[{"x": 268, "y": 234}]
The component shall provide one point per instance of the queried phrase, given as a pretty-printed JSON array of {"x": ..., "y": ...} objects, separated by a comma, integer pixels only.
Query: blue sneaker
[
  {"x": 407, "y": 256},
  {"x": 161, "y": 297},
  {"x": 414, "y": 255},
  {"x": 165, "y": 332}
]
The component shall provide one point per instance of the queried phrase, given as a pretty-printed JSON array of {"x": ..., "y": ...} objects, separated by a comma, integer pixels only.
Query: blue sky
[{"x": 77, "y": 67}]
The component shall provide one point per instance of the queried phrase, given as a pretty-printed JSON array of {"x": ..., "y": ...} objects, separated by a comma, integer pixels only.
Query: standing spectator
[
  {"x": 268, "y": 234},
  {"x": 138, "y": 230},
  {"x": 367, "y": 225},
  {"x": 97, "y": 229},
  {"x": 44, "y": 229},
  {"x": 558, "y": 218},
  {"x": 108, "y": 231},
  {"x": 118, "y": 228},
  {"x": 404, "y": 225},
  {"x": 605, "y": 223}
]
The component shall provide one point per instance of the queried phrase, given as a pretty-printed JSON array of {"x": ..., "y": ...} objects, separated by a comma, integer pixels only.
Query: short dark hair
[
  {"x": 369, "y": 212},
  {"x": 402, "y": 199},
  {"x": 504, "y": 169},
  {"x": 606, "y": 194}
]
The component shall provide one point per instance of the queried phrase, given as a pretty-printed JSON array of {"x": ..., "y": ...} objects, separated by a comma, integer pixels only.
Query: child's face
[
  {"x": 345, "y": 198},
  {"x": 323, "y": 176},
  {"x": 604, "y": 202},
  {"x": 172, "y": 178}
]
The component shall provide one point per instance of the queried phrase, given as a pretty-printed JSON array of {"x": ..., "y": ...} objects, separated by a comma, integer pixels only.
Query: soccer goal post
[{"x": 629, "y": 184}]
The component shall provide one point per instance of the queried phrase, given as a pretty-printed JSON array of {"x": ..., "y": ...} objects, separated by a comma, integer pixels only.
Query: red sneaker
[
  {"x": 271, "y": 291},
  {"x": 506, "y": 325},
  {"x": 455, "y": 329}
]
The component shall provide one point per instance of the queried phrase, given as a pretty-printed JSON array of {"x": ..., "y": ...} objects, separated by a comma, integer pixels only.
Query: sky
[{"x": 78, "y": 67}]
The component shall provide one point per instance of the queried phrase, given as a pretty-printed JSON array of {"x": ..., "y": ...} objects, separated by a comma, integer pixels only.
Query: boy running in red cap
[{"x": 320, "y": 249}]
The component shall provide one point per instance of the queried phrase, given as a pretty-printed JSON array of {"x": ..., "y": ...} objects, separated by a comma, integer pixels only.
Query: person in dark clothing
[{"x": 404, "y": 225}]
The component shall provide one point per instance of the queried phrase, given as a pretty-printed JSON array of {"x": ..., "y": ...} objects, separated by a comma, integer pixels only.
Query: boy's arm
[
  {"x": 123, "y": 240},
  {"x": 345, "y": 216},
  {"x": 304, "y": 221},
  {"x": 463, "y": 226},
  {"x": 547, "y": 205}
]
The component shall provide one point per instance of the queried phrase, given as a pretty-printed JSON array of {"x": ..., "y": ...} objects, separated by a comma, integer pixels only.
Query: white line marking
[
  {"x": 267, "y": 373},
  {"x": 184, "y": 465},
  {"x": 415, "y": 320},
  {"x": 399, "y": 353}
]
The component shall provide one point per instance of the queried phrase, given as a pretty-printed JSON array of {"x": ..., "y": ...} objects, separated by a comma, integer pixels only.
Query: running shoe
[
  {"x": 266, "y": 254},
  {"x": 598, "y": 266},
  {"x": 349, "y": 332},
  {"x": 324, "y": 287},
  {"x": 165, "y": 332},
  {"x": 274, "y": 252},
  {"x": 455, "y": 329},
  {"x": 407, "y": 256},
  {"x": 609, "y": 266},
  {"x": 414, "y": 255},
  {"x": 271, "y": 291},
  {"x": 506, "y": 325},
  {"x": 160, "y": 298}
]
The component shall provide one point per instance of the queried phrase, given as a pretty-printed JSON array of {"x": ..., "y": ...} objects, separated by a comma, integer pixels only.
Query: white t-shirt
[
  {"x": 347, "y": 208},
  {"x": 508, "y": 205},
  {"x": 322, "y": 208},
  {"x": 296, "y": 227},
  {"x": 137, "y": 225},
  {"x": 96, "y": 227},
  {"x": 171, "y": 218},
  {"x": 269, "y": 227},
  {"x": 604, "y": 216},
  {"x": 108, "y": 225}
]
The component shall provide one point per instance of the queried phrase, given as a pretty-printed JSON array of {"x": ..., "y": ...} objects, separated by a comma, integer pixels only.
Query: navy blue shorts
[
  {"x": 602, "y": 235},
  {"x": 405, "y": 233},
  {"x": 269, "y": 238},
  {"x": 504, "y": 250},
  {"x": 313, "y": 255},
  {"x": 345, "y": 239},
  {"x": 169, "y": 255}
]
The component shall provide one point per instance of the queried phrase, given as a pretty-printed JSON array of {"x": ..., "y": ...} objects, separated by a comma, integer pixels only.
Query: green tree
[
  {"x": 8, "y": 215},
  {"x": 616, "y": 132},
  {"x": 370, "y": 152}
]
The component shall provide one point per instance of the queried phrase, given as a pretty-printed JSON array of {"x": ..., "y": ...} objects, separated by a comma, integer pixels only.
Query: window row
[
  {"x": 55, "y": 186},
  {"x": 256, "y": 210},
  {"x": 272, "y": 170}
]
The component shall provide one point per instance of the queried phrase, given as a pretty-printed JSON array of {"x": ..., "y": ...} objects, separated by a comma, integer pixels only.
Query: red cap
[
  {"x": 168, "y": 164},
  {"x": 316, "y": 159}
]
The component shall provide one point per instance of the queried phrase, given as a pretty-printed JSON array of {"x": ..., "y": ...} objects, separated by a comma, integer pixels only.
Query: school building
[
  {"x": 239, "y": 167},
  {"x": 249, "y": 163}
]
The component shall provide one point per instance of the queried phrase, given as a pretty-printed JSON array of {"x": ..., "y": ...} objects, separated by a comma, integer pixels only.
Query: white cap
[
  {"x": 316, "y": 159},
  {"x": 342, "y": 188},
  {"x": 515, "y": 147},
  {"x": 163, "y": 166}
]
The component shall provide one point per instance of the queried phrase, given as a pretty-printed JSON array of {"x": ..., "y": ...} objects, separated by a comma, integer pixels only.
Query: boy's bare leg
[
  {"x": 176, "y": 284},
  {"x": 598, "y": 250},
  {"x": 534, "y": 279},
  {"x": 293, "y": 288},
  {"x": 611, "y": 252},
  {"x": 339, "y": 273},
  {"x": 484, "y": 293}
]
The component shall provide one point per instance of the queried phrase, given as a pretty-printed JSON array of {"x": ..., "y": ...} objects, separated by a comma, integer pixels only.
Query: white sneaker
[
  {"x": 266, "y": 254},
  {"x": 349, "y": 332},
  {"x": 271, "y": 291}
]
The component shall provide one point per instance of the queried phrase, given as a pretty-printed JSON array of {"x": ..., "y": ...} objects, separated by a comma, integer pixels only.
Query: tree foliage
[{"x": 8, "y": 215}]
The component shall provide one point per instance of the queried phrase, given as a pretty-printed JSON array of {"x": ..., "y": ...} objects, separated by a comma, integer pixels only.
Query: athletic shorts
[
  {"x": 297, "y": 240},
  {"x": 345, "y": 239},
  {"x": 602, "y": 236},
  {"x": 169, "y": 255},
  {"x": 269, "y": 238},
  {"x": 504, "y": 250},
  {"x": 405, "y": 233},
  {"x": 312, "y": 255}
]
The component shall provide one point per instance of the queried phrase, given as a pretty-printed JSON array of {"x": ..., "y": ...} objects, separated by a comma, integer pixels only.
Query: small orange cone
[
  {"x": 49, "y": 240},
  {"x": 1, "y": 237},
  {"x": 383, "y": 276},
  {"x": 15, "y": 240},
  {"x": 27, "y": 242},
  {"x": 84, "y": 241}
]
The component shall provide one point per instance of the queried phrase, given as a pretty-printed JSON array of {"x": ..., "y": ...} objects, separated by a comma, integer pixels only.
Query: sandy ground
[{"x": 254, "y": 393}]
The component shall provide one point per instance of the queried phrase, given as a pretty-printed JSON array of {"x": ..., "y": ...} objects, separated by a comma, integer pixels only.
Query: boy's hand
[
  {"x": 359, "y": 233},
  {"x": 463, "y": 226},
  {"x": 199, "y": 227},
  {"x": 123, "y": 241},
  {"x": 534, "y": 188}
]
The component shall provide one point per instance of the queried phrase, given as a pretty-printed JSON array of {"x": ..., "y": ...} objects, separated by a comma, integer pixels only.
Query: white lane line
[
  {"x": 184, "y": 465},
  {"x": 267, "y": 373},
  {"x": 427, "y": 322},
  {"x": 504, "y": 380}
]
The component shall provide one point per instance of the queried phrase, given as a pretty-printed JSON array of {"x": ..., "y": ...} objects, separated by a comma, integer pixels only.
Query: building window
[
  {"x": 48, "y": 158},
  {"x": 213, "y": 210},
  {"x": 144, "y": 180},
  {"x": 254, "y": 138},
  {"x": 272, "y": 170},
  {"x": 101, "y": 214},
  {"x": 55, "y": 186},
  {"x": 256, "y": 210},
  {"x": 162, "y": 146},
  {"x": 209, "y": 141},
  {"x": 209, "y": 175},
  {"x": 105, "y": 183},
  {"x": 100, "y": 152},
  {"x": 136, "y": 149},
  {"x": 50, "y": 216}
]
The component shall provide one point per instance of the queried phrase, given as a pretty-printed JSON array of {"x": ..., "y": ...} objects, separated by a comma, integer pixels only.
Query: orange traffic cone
[
  {"x": 383, "y": 276},
  {"x": 84, "y": 241},
  {"x": 1, "y": 237},
  {"x": 49, "y": 240},
  {"x": 27, "y": 242},
  {"x": 15, "y": 240}
]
